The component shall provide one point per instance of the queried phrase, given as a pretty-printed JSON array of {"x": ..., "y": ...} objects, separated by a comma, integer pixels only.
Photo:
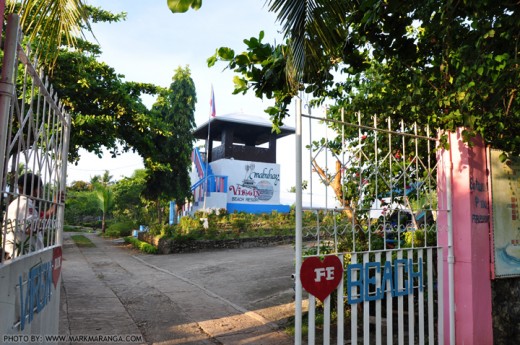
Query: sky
[{"x": 153, "y": 42}]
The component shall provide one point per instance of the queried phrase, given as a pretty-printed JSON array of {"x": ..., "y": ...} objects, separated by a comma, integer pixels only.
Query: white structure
[
  {"x": 34, "y": 132},
  {"x": 241, "y": 174}
]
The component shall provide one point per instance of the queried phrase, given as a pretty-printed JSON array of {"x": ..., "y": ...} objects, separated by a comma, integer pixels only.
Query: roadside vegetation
[
  {"x": 142, "y": 246},
  {"x": 129, "y": 211}
]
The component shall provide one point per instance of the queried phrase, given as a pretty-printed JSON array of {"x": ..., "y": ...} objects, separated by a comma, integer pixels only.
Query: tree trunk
[
  {"x": 103, "y": 223},
  {"x": 159, "y": 213},
  {"x": 336, "y": 185}
]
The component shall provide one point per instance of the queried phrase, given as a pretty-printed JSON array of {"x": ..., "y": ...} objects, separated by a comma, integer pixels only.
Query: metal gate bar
[
  {"x": 406, "y": 309},
  {"x": 34, "y": 133}
]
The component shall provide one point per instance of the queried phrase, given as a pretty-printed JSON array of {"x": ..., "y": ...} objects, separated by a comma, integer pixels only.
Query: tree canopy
[
  {"x": 107, "y": 111},
  {"x": 447, "y": 63},
  {"x": 169, "y": 158}
]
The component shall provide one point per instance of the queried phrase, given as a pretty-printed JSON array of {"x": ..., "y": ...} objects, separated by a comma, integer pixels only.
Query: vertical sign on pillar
[{"x": 505, "y": 193}]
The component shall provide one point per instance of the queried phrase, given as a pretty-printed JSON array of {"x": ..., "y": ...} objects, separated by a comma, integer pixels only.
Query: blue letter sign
[{"x": 398, "y": 279}]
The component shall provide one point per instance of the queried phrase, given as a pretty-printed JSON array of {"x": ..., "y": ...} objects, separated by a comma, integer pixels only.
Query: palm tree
[
  {"x": 314, "y": 28},
  {"x": 54, "y": 22},
  {"x": 103, "y": 190}
]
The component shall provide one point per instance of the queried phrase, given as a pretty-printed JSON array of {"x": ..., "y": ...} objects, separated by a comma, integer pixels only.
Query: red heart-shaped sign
[
  {"x": 56, "y": 265},
  {"x": 320, "y": 278}
]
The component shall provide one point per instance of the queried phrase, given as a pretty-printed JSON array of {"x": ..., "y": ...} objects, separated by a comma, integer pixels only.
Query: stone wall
[
  {"x": 506, "y": 311},
  {"x": 169, "y": 246}
]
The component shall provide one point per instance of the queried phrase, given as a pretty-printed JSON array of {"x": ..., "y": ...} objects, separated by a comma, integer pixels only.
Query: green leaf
[
  {"x": 226, "y": 53},
  {"x": 500, "y": 58},
  {"x": 181, "y": 6},
  {"x": 240, "y": 84},
  {"x": 242, "y": 59},
  {"x": 490, "y": 34},
  {"x": 211, "y": 61}
]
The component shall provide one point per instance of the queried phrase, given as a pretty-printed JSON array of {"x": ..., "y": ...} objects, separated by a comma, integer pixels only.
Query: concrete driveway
[{"x": 111, "y": 292}]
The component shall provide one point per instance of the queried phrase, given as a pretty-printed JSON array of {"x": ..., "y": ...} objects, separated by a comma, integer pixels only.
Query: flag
[{"x": 212, "y": 109}]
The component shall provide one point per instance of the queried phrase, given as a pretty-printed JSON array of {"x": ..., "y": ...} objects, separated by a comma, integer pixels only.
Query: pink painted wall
[{"x": 471, "y": 243}]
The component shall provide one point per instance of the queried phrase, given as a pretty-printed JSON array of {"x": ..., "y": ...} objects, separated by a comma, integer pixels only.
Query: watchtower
[
  {"x": 242, "y": 137},
  {"x": 241, "y": 174}
]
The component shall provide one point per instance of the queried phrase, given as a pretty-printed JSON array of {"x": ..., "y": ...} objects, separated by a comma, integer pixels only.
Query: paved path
[{"x": 241, "y": 296}]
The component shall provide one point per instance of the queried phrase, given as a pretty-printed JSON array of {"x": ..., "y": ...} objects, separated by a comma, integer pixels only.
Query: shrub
[
  {"x": 142, "y": 246},
  {"x": 189, "y": 224},
  {"x": 73, "y": 228},
  {"x": 222, "y": 225},
  {"x": 169, "y": 230},
  {"x": 96, "y": 224},
  {"x": 120, "y": 229},
  {"x": 155, "y": 229},
  {"x": 190, "y": 236},
  {"x": 240, "y": 222}
]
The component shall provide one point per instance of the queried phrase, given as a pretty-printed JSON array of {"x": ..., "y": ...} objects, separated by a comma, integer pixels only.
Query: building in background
[{"x": 241, "y": 174}]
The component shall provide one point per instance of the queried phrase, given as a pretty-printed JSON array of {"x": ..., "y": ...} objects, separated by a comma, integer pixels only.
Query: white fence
[
  {"x": 383, "y": 230},
  {"x": 34, "y": 134}
]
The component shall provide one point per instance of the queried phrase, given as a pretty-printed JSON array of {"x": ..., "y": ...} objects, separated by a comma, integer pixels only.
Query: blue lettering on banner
[
  {"x": 37, "y": 294},
  {"x": 398, "y": 279}
]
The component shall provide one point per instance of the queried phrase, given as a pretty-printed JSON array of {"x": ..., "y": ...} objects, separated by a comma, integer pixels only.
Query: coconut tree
[
  {"x": 105, "y": 196},
  {"x": 314, "y": 28},
  {"x": 53, "y": 22}
]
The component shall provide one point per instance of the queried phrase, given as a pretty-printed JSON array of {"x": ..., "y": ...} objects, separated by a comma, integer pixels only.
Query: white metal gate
[
  {"x": 367, "y": 194},
  {"x": 34, "y": 137}
]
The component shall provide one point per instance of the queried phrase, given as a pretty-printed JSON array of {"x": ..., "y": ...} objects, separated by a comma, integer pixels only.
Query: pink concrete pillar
[{"x": 471, "y": 242}]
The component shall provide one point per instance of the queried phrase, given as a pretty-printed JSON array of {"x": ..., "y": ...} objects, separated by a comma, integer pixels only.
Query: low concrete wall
[
  {"x": 30, "y": 311},
  {"x": 169, "y": 246}
]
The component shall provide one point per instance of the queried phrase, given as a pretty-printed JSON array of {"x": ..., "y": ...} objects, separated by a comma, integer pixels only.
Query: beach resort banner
[
  {"x": 505, "y": 187},
  {"x": 250, "y": 182}
]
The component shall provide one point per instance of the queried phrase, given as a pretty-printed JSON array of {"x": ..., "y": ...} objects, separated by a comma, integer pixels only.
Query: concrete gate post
[{"x": 470, "y": 218}]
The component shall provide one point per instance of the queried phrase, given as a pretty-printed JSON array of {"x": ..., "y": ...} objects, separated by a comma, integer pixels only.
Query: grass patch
[
  {"x": 82, "y": 241},
  {"x": 75, "y": 228}
]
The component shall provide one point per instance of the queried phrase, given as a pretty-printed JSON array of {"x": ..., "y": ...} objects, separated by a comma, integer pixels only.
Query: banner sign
[
  {"x": 250, "y": 182},
  {"x": 505, "y": 194},
  {"x": 368, "y": 281}
]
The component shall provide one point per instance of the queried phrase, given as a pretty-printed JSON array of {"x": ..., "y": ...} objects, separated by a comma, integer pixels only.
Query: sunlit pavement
[{"x": 239, "y": 296}]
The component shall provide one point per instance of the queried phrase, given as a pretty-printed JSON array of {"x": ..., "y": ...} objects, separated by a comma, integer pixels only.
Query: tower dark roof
[{"x": 244, "y": 126}]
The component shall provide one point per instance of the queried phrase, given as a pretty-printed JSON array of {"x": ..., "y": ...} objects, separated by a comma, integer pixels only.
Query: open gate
[
  {"x": 34, "y": 139},
  {"x": 382, "y": 226}
]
